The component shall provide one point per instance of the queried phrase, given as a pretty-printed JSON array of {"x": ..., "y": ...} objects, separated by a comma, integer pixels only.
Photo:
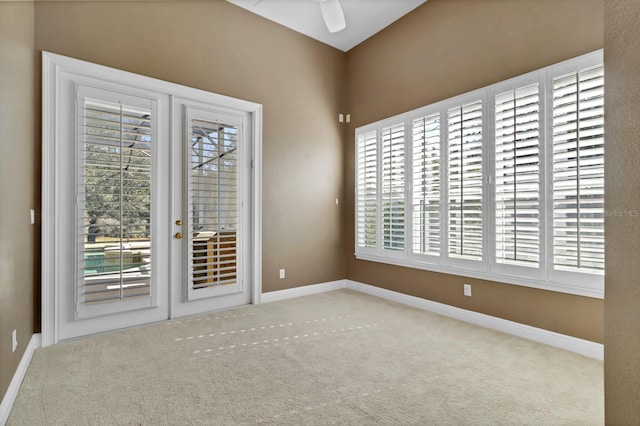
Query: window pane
[
  {"x": 517, "y": 176},
  {"x": 115, "y": 191},
  {"x": 578, "y": 171},
  {"x": 367, "y": 187},
  {"x": 465, "y": 181},
  {"x": 393, "y": 199},
  {"x": 426, "y": 185},
  {"x": 214, "y": 213}
]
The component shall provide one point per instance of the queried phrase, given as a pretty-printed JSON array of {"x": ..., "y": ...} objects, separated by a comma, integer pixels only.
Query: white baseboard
[
  {"x": 274, "y": 296},
  {"x": 562, "y": 341},
  {"x": 18, "y": 376}
]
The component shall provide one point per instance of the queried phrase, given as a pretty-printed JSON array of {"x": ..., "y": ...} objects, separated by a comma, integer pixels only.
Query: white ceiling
[{"x": 364, "y": 18}]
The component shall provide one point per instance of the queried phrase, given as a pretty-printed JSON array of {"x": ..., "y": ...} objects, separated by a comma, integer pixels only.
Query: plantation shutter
[
  {"x": 114, "y": 201},
  {"x": 465, "y": 181},
  {"x": 367, "y": 190},
  {"x": 578, "y": 171},
  {"x": 517, "y": 176},
  {"x": 426, "y": 185},
  {"x": 393, "y": 195},
  {"x": 214, "y": 216}
]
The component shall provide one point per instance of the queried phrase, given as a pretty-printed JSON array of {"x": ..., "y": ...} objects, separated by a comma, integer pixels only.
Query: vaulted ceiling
[{"x": 363, "y": 18}]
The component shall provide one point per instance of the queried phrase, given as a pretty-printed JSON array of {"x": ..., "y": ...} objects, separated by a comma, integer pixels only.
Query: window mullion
[
  {"x": 546, "y": 177},
  {"x": 444, "y": 184},
  {"x": 488, "y": 170},
  {"x": 379, "y": 190},
  {"x": 578, "y": 198},
  {"x": 121, "y": 212},
  {"x": 408, "y": 186}
]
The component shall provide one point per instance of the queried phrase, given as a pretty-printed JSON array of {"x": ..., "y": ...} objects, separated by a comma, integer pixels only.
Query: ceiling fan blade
[{"x": 333, "y": 15}]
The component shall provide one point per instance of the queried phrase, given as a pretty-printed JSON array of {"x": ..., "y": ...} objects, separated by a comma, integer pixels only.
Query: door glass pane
[
  {"x": 115, "y": 195},
  {"x": 213, "y": 204}
]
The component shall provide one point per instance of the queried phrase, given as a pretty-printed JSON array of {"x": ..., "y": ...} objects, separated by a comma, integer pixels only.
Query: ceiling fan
[{"x": 332, "y": 14}]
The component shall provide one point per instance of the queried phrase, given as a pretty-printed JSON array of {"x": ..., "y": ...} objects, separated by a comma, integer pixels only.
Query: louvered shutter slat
[
  {"x": 426, "y": 185},
  {"x": 464, "y": 137},
  {"x": 116, "y": 201},
  {"x": 517, "y": 176},
  {"x": 578, "y": 171},
  {"x": 214, "y": 216},
  {"x": 392, "y": 191},
  {"x": 367, "y": 190}
]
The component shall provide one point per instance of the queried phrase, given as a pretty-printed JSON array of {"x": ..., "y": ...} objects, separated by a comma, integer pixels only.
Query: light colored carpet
[{"x": 339, "y": 358}]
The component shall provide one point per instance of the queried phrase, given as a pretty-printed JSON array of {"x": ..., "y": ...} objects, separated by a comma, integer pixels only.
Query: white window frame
[
  {"x": 591, "y": 282},
  {"x": 543, "y": 277},
  {"x": 384, "y": 124},
  {"x": 371, "y": 251},
  {"x": 429, "y": 259},
  {"x": 526, "y": 272},
  {"x": 459, "y": 101}
]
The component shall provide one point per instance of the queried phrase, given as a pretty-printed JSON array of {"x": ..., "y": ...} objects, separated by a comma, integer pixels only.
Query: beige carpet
[{"x": 340, "y": 358}]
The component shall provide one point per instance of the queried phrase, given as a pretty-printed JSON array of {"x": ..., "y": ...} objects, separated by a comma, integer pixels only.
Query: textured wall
[
  {"x": 622, "y": 200},
  {"x": 449, "y": 47},
  {"x": 216, "y": 46},
  {"x": 18, "y": 169},
  {"x": 442, "y": 49}
]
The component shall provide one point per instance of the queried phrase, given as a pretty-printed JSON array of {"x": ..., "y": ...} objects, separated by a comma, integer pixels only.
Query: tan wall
[
  {"x": 18, "y": 167},
  {"x": 216, "y": 46},
  {"x": 622, "y": 180},
  {"x": 442, "y": 49},
  {"x": 450, "y": 46}
]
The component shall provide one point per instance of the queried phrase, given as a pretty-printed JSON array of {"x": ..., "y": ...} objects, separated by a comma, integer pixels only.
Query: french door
[
  {"x": 210, "y": 210},
  {"x": 147, "y": 200}
]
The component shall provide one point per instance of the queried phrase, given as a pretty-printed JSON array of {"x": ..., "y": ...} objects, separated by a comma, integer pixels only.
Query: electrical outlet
[
  {"x": 467, "y": 290},
  {"x": 14, "y": 340},
  {"x": 281, "y": 273}
]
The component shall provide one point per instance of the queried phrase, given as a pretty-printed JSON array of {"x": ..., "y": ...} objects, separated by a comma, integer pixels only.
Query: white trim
[
  {"x": 256, "y": 204},
  {"x": 551, "y": 285},
  {"x": 557, "y": 340},
  {"x": 53, "y": 67},
  {"x": 546, "y": 337},
  {"x": 290, "y": 293},
  {"x": 14, "y": 387},
  {"x": 49, "y": 306}
]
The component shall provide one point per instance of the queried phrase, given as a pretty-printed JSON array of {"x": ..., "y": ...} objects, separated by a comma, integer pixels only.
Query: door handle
[{"x": 178, "y": 235}]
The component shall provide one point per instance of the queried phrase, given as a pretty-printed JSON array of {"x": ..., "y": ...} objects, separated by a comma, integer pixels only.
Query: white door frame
[{"x": 53, "y": 66}]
